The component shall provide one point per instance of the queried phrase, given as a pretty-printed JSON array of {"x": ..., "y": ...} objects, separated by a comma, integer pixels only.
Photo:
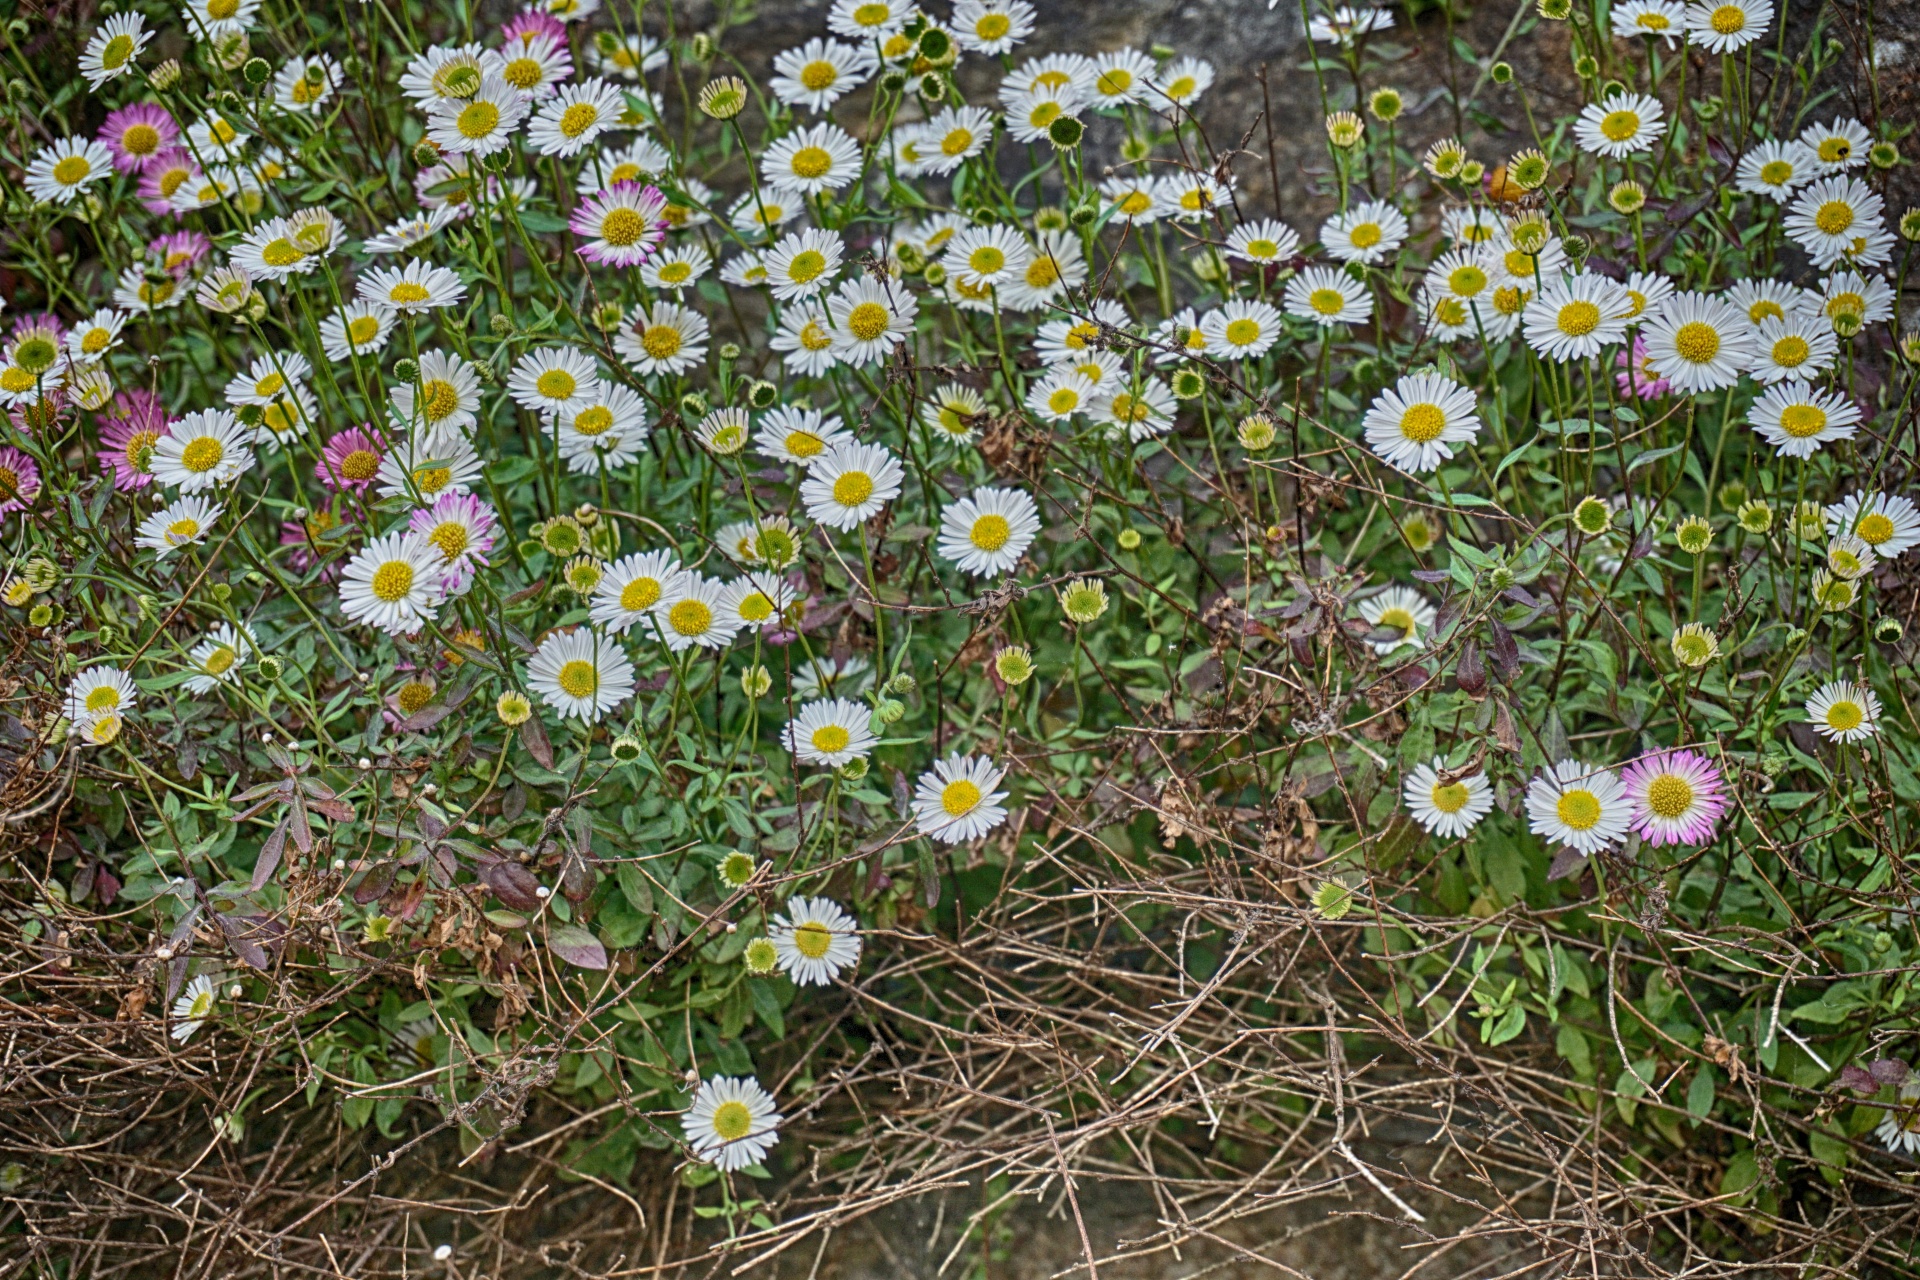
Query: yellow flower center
[
  {"x": 1327, "y": 302},
  {"x": 661, "y": 341},
  {"x": 522, "y": 73},
  {"x": 622, "y": 226},
  {"x": 640, "y": 594},
  {"x": 1400, "y": 620},
  {"x": 1182, "y": 89},
  {"x": 14, "y": 378},
  {"x": 103, "y": 698},
  {"x": 1043, "y": 272},
  {"x": 1135, "y": 203},
  {"x": 271, "y": 385},
  {"x": 222, "y": 10},
  {"x": 202, "y": 454},
  {"x": 812, "y": 939},
  {"x": 956, "y": 142},
  {"x": 451, "y": 537},
  {"x": 1466, "y": 281},
  {"x": 1697, "y": 342},
  {"x": 140, "y": 140},
  {"x": 477, "y": 120},
  {"x": 811, "y": 162},
  {"x": 1846, "y": 303},
  {"x": 871, "y": 15},
  {"x": 852, "y": 488},
  {"x": 1803, "y": 420},
  {"x": 804, "y": 444},
  {"x": 1669, "y": 796},
  {"x": 992, "y": 26},
  {"x": 1618, "y": 126},
  {"x": 1243, "y": 332},
  {"x": 219, "y": 662},
  {"x": 431, "y": 480},
  {"x": 868, "y": 321},
  {"x": 1115, "y": 81},
  {"x": 71, "y": 171},
  {"x": 1776, "y": 173},
  {"x": 1451, "y": 311},
  {"x": 1874, "y": 528},
  {"x": 1845, "y": 715},
  {"x": 986, "y": 260},
  {"x": 1366, "y": 235},
  {"x": 118, "y": 50},
  {"x": 1579, "y": 809},
  {"x": 1729, "y": 20},
  {"x": 1578, "y": 319},
  {"x": 407, "y": 293},
  {"x": 959, "y": 797},
  {"x": 594, "y": 421},
  {"x": 183, "y": 531},
  {"x": 815, "y": 338},
  {"x": 1043, "y": 113},
  {"x": 139, "y": 450},
  {"x": 806, "y": 266},
  {"x": 578, "y": 118},
  {"x": 1064, "y": 400},
  {"x": 690, "y": 618},
  {"x": 1834, "y": 217},
  {"x": 556, "y": 384},
  {"x": 732, "y": 1121},
  {"x": 579, "y": 678},
  {"x": 623, "y": 173},
  {"x": 990, "y": 532},
  {"x": 413, "y": 695},
  {"x": 1835, "y": 150},
  {"x": 1653, "y": 21},
  {"x": 755, "y": 607},
  {"x": 1791, "y": 352},
  {"x": 392, "y": 581},
  {"x": 1451, "y": 798},
  {"x": 830, "y": 738},
  {"x": 1423, "y": 423}
]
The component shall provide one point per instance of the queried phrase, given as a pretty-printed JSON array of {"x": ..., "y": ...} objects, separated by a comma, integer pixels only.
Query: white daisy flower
[
  {"x": 1060, "y": 394},
  {"x": 398, "y": 237},
  {"x": 732, "y": 1123},
  {"x": 1763, "y": 299},
  {"x": 1054, "y": 267},
  {"x": 1101, "y": 369},
  {"x": 61, "y": 170},
  {"x": 866, "y": 20},
  {"x": 447, "y": 73},
  {"x": 1838, "y": 145},
  {"x": 629, "y": 59},
  {"x": 537, "y": 64},
  {"x": 723, "y": 431},
  {"x": 1191, "y": 196},
  {"x": 196, "y": 1003},
  {"x": 1446, "y": 809},
  {"x": 92, "y": 338},
  {"x": 664, "y": 338},
  {"x": 1581, "y": 806},
  {"x": 1621, "y": 124},
  {"x": 1698, "y": 342},
  {"x": 448, "y": 394},
  {"x": 1122, "y": 76},
  {"x": 1054, "y": 71},
  {"x": 427, "y": 465},
  {"x": 414, "y": 288},
  {"x": 803, "y": 264},
  {"x": 697, "y": 610},
  {"x": 1794, "y": 346},
  {"x": 1346, "y": 24},
  {"x": 632, "y": 586},
  {"x": 805, "y": 340},
  {"x": 1890, "y": 524},
  {"x": 1867, "y": 297},
  {"x": 607, "y": 430},
  {"x": 217, "y": 657},
  {"x": 1666, "y": 19},
  {"x": 393, "y": 583},
  {"x": 986, "y": 256},
  {"x": 1844, "y": 711},
  {"x": 1574, "y": 317},
  {"x": 1328, "y": 297},
  {"x": 571, "y": 120},
  {"x": 1062, "y": 341},
  {"x": 987, "y": 533},
  {"x": 764, "y": 212},
  {"x": 801, "y": 436},
  {"x": 1142, "y": 407},
  {"x": 820, "y": 72},
  {"x": 746, "y": 269},
  {"x": 850, "y": 484},
  {"x": 1797, "y": 420},
  {"x": 951, "y": 410},
  {"x": 955, "y": 801},
  {"x": 1402, "y": 610},
  {"x": 356, "y": 329},
  {"x": 479, "y": 125},
  {"x": 304, "y": 85},
  {"x": 1266, "y": 242},
  {"x": 623, "y": 226},
  {"x": 580, "y": 673},
  {"x": 554, "y": 380},
  {"x": 1243, "y": 329},
  {"x": 816, "y": 941},
  {"x": 1368, "y": 232},
  {"x": 954, "y": 135},
  {"x": 1414, "y": 424},
  {"x": 269, "y": 252},
  {"x": 1830, "y": 214},
  {"x": 1182, "y": 81},
  {"x": 1899, "y": 1127},
  {"x": 826, "y": 675},
  {"x": 100, "y": 690},
  {"x": 111, "y": 49},
  {"x": 1775, "y": 168},
  {"x": 808, "y": 161},
  {"x": 1133, "y": 200},
  {"x": 869, "y": 318},
  {"x": 1182, "y": 335},
  {"x": 202, "y": 450},
  {"x": 992, "y": 26},
  {"x": 641, "y": 160},
  {"x": 1723, "y": 26},
  {"x": 180, "y": 523},
  {"x": 830, "y": 732},
  {"x": 1528, "y": 267},
  {"x": 1470, "y": 225},
  {"x": 268, "y": 378},
  {"x": 761, "y": 600}
]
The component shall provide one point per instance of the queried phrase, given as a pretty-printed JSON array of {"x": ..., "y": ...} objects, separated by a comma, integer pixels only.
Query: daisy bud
[
  {"x": 1014, "y": 664},
  {"x": 513, "y": 709},
  {"x": 441, "y": 1252},
  {"x": 363, "y": 764},
  {"x": 1385, "y": 104},
  {"x": 1188, "y": 384},
  {"x": 270, "y": 668},
  {"x": 257, "y": 72},
  {"x": 1693, "y": 535},
  {"x": 583, "y": 574},
  {"x": 889, "y": 712},
  {"x": 1883, "y": 155},
  {"x": 1083, "y": 600},
  {"x": 1501, "y": 72},
  {"x": 763, "y": 395},
  {"x": 736, "y": 869},
  {"x": 936, "y": 275},
  {"x": 339, "y": 864},
  {"x": 693, "y": 405},
  {"x": 1257, "y": 433},
  {"x": 406, "y": 370},
  {"x": 1332, "y": 900},
  {"x": 543, "y": 892},
  {"x": 230, "y": 50},
  {"x": 1695, "y": 646},
  {"x": 854, "y": 769},
  {"x": 41, "y": 615},
  {"x": 723, "y": 98},
  {"x": 1755, "y": 516},
  {"x": 755, "y": 681},
  {"x": 936, "y": 46},
  {"x": 902, "y": 684},
  {"x": 1627, "y": 198},
  {"x": 626, "y": 749},
  {"x": 1810, "y": 520},
  {"x": 1129, "y": 539},
  {"x": 1049, "y": 218},
  {"x": 42, "y": 574},
  {"x": 893, "y": 81},
  {"x": 165, "y": 76},
  {"x": 1065, "y": 133},
  {"x": 932, "y": 87},
  {"x": 1586, "y": 66},
  {"x": 1345, "y": 129},
  {"x": 1910, "y": 225},
  {"x": 1472, "y": 171},
  {"x": 1556, "y": 10},
  {"x": 1910, "y": 346},
  {"x": 1592, "y": 517},
  {"x": 1888, "y": 631},
  {"x": 728, "y": 351},
  {"x": 561, "y": 537},
  {"x": 1833, "y": 594},
  {"x": 587, "y": 514},
  {"x": 1707, "y": 107},
  {"x": 760, "y": 957},
  {"x": 608, "y": 315},
  {"x": 1444, "y": 158},
  {"x": 1732, "y": 494},
  {"x": 1846, "y": 324},
  {"x": 1084, "y": 216}
]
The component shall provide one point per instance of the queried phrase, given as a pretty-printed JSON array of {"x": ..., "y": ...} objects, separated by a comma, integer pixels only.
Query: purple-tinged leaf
[
  {"x": 269, "y": 860},
  {"x": 375, "y": 883},
  {"x": 514, "y": 885},
  {"x": 576, "y": 946},
  {"x": 533, "y": 735}
]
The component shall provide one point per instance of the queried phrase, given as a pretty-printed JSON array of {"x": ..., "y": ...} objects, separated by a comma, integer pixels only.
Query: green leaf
[
  {"x": 1700, "y": 1093},
  {"x": 1742, "y": 1172}
]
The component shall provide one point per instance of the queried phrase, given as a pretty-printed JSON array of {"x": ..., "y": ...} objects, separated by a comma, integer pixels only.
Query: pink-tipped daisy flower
[
  {"x": 1637, "y": 376},
  {"x": 19, "y": 480},
  {"x": 351, "y": 459},
  {"x": 1678, "y": 797},
  {"x": 622, "y": 225},
  {"x": 132, "y": 423},
  {"x": 138, "y": 136}
]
